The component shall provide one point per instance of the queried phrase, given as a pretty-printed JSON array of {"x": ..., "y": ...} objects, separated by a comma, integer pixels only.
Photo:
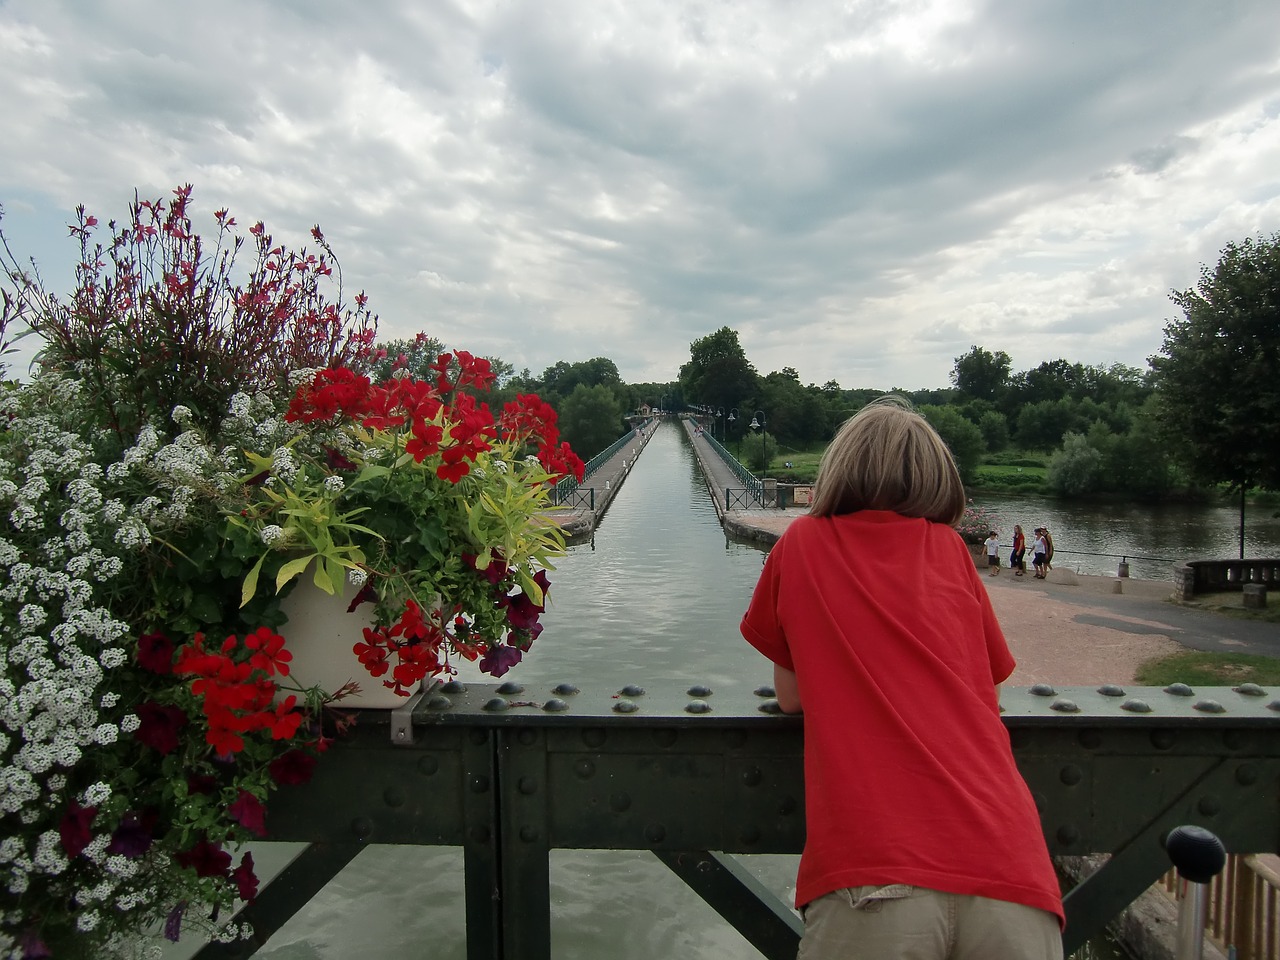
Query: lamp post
[
  {"x": 720, "y": 417},
  {"x": 757, "y": 423},
  {"x": 733, "y": 415}
]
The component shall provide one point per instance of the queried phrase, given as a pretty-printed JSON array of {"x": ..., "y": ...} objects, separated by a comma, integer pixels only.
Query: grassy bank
[{"x": 1194, "y": 667}]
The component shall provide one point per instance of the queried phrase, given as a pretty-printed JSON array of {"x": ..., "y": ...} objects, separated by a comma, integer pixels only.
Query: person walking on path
[
  {"x": 1038, "y": 551},
  {"x": 993, "y": 554},
  {"x": 1017, "y": 557},
  {"x": 1048, "y": 549},
  {"x": 922, "y": 838}
]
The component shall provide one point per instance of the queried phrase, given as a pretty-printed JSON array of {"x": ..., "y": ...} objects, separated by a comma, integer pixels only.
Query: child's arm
[{"x": 786, "y": 689}]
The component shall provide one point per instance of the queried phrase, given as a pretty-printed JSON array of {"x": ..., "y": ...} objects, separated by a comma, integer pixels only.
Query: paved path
[
  {"x": 579, "y": 520},
  {"x": 1071, "y": 629}
]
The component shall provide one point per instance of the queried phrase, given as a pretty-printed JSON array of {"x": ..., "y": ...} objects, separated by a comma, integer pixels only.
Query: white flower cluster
[{"x": 58, "y": 641}]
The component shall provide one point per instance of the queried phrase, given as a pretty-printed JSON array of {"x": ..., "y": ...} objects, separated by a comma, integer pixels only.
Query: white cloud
[{"x": 862, "y": 190}]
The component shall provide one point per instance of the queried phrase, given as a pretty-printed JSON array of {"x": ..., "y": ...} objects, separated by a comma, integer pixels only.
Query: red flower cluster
[
  {"x": 439, "y": 418},
  {"x": 236, "y": 694},
  {"x": 409, "y": 648}
]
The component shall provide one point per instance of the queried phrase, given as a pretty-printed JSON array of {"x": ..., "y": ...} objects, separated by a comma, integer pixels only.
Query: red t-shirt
[{"x": 909, "y": 776}]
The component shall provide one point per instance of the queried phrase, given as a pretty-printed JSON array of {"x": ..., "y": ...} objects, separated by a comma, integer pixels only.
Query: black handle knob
[{"x": 1197, "y": 854}]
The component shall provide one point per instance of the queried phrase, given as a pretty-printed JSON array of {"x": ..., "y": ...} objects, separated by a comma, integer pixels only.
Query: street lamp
[
  {"x": 733, "y": 415},
  {"x": 757, "y": 423},
  {"x": 720, "y": 417}
]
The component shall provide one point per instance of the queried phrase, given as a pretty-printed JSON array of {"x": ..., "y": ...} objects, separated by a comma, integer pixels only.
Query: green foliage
[
  {"x": 982, "y": 374},
  {"x": 1076, "y": 469},
  {"x": 718, "y": 372},
  {"x": 1197, "y": 668},
  {"x": 1218, "y": 371},
  {"x": 962, "y": 437},
  {"x": 995, "y": 431},
  {"x": 591, "y": 419}
]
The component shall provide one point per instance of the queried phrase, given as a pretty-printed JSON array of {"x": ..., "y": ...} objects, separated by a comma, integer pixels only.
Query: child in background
[
  {"x": 922, "y": 837},
  {"x": 993, "y": 554}
]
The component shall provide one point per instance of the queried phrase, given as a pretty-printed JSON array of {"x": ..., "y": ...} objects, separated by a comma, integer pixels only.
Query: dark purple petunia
[
  {"x": 159, "y": 726},
  {"x": 498, "y": 659},
  {"x": 292, "y": 768},
  {"x": 245, "y": 879},
  {"x": 75, "y": 829},
  {"x": 248, "y": 811},
  {"x": 173, "y": 923},
  {"x": 155, "y": 653},
  {"x": 132, "y": 838},
  {"x": 207, "y": 859},
  {"x": 32, "y": 947}
]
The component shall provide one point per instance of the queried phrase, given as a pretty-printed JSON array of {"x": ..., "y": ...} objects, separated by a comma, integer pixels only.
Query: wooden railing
[{"x": 1244, "y": 906}]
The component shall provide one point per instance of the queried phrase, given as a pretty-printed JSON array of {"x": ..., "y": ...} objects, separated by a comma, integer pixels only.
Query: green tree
[
  {"x": 1076, "y": 469},
  {"x": 1218, "y": 371},
  {"x": 718, "y": 373},
  {"x": 962, "y": 437},
  {"x": 981, "y": 374},
  {"x": 995, "y": 430},
  {"x": 590, "y": 419}
]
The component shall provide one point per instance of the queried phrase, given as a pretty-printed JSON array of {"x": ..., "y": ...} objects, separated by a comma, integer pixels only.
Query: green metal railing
[
  {"x": 753, "y": 485},
  {"x": 566, "y": 486},
  {"x": 697, "y": 777}
]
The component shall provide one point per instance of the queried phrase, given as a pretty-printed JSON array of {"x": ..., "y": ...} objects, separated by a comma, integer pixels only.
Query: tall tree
[
  {"x": 982, "y": 374},
  {"x": 1217, "y": 375},
  {"x": 718, "y": 372}
]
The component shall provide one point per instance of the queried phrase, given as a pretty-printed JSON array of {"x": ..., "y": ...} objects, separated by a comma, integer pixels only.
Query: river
[
  {"x": 1094, "y": 537},
  {"x": 654, "y": 599}
]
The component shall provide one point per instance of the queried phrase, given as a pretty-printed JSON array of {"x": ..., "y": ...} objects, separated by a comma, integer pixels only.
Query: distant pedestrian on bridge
[{"x": 922, "y": 837}]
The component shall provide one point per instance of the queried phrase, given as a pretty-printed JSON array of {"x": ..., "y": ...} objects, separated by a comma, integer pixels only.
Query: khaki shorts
[{"x": 900, "y": 922}]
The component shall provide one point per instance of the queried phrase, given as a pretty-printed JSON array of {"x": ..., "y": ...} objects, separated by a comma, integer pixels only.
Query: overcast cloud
[{"x": 861, "y": 190}]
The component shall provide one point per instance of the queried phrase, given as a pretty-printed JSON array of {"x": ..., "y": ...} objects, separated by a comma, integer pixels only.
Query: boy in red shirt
[{"x": 923, "y": 840}]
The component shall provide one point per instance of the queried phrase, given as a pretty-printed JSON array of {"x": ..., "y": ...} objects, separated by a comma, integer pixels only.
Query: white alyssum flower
[
  {"x": 271, "y": 533},
  {"x": 357, "y": 577}
]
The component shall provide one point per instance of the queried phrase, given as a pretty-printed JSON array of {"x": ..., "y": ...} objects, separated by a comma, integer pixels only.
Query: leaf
[
  {"x": 250, "y": 585},
  {"x": 292, "y": 569}
]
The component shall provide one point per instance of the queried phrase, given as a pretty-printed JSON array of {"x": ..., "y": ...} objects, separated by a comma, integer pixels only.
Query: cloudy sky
[{"x": 862, "y": 189}]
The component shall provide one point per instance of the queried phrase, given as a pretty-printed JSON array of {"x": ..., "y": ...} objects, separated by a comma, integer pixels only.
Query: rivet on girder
[
  {"x": 1111, "y": 690},
  {"x": 1071, "y": 775},
  {"x": 564, "y": 689},
  {"x": 1274, "y": 705},
  {"x": 511, "y": 687},
  {"x": 454, "y": 686},
  {"x": 632, "y": 690},
  {"x": 555, "y": 705},
  {"x": 619, "y": 802},
  {"x": 1250, "y": 690},
  {"x": 625, "y": 706},
  {"x": 1063, "y": 705},
  {"x": 1068, "y": 835},
  {"x": 428, "y": 766},
  {"x": 1209, "y": 706},
  {"x": 765, "y": 691},
  {"x": 655, "y": 833},
  {"x": 771, "y": 706},
  {"x": 699, "y": 690},
  {"x": 495, "y": 705},
  {"x": 1209, "y": 806},
  {"x": 584, "y": 769},
  {"x": 1179, "y": 690},
  {"x": 1247, "y": 775},
  {"x": 1042, "y": 690},
  {"x": 752, "y": 777},
  {"x": 439, "y": 702},
  {"x": 1136, "y": 705},
  {"x": 698, "y": 706}
]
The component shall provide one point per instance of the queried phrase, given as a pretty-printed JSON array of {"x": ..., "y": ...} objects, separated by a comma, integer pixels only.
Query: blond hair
[{"x": 888, "y": 457}]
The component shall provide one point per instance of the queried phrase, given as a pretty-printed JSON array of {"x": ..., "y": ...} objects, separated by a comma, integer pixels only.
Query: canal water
[{"x": 654, "y": 600}]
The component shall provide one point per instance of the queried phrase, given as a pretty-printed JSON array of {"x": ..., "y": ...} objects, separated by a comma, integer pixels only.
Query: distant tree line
[{"x": 1204, "y": 415}]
